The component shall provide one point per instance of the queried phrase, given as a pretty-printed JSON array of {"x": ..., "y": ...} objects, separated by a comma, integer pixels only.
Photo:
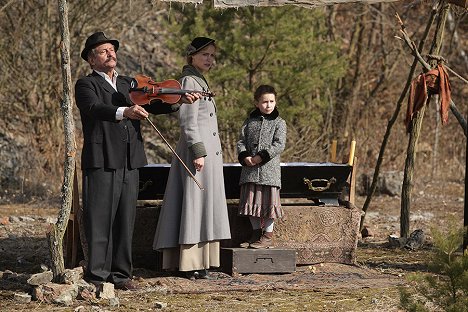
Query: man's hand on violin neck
[
  {"x": 135, "y": 112},
  {"x": 189, "y": 98}
]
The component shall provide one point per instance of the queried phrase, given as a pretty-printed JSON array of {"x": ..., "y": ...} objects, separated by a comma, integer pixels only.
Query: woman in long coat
[{"x": 193, "y": 221}]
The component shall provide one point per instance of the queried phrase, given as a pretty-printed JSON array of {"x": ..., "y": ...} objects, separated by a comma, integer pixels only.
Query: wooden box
[
  {"x": 317, "y": 233},
  {"x": 269, "y": 260}
]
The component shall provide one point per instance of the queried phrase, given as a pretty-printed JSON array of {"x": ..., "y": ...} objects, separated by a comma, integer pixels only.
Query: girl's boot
[
  {"x": 266, "y": 241},
  {"x": 256, "y": 234}
]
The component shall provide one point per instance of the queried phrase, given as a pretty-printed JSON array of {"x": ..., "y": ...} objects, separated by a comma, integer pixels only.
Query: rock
[
  {"x": 72, "y": 276},
  {"x": 85, "y": 294},
  {"x": 26, "y": 219},
  {"x": 14, "y": 219},
  {"x": 4, "y": 220},
  {"x": 60, "y": 293},
  {"x": 37, "y": 294},
  {"x": 22, "y": 297},
  {"x": 396, "y": 241},
  {"x": 160, "y": 305},
  {"x": 41, "y": 278},
  {"x": 65, "y": 299},
  {"x": 114, "y": 302},
  {"x": 106, "y": 291},
  {"x": 388, "y": 183},
  {"x": 416, "y": 240},
  {"x": 82, "y": 284},
  {"x": 51, "y": 220},
  {"x": 366, "y": 232},
  {"x": 7, "y": 274}
]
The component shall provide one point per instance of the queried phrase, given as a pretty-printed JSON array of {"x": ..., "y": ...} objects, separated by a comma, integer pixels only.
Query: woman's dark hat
[
  {"x": 94, "y": 40},
  {"x": 198, "y": 44}
]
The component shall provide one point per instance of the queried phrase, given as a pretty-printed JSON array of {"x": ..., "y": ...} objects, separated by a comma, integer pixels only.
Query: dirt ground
[{"x": 370, "y": 285}]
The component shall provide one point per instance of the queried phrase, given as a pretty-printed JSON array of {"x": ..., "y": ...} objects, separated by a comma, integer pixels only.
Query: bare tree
[{"x": 57, "y": 231}]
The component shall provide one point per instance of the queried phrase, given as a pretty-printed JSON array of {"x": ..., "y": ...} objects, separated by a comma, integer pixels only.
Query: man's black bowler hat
[
  {"x": 96, "y": 39},
  {"x": 198, "y": 44}
]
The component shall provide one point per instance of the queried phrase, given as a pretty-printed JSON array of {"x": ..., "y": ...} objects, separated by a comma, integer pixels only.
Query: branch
[
  {"x": 457, "y": 75},
  {"x": 440, "y": 59},
  {"x": 411, "y": 44},
  {"x": 417, "y": 55}
]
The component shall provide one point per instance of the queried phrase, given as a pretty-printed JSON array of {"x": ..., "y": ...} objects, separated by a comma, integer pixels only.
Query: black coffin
[{"x": 321, "y": 182}]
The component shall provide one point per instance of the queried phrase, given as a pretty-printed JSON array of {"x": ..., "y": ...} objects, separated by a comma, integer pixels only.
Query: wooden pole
[
  {"x": 407, "y": 186},
  {"x": 333, "y": 151},
  {"x": 415, "y": 131},
  {"x": 352, "y": 148},
  {"x": 56, "y": 231}
]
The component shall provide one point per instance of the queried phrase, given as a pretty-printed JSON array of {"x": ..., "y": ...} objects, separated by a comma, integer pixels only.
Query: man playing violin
[{"x": 111, "y": 155}]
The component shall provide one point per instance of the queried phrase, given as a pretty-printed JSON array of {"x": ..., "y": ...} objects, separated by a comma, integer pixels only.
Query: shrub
[{"x": 445, "y": 286}]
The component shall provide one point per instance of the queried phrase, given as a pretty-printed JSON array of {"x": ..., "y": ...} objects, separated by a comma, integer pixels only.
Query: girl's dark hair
[{"x": 263, "y": 89}]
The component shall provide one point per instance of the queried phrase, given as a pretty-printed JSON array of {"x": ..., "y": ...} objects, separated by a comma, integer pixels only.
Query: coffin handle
[{"x": 318, "y": 188}]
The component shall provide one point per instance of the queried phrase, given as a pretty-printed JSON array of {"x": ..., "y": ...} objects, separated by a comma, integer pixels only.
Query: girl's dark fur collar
[{"x": 256, "y": 113}]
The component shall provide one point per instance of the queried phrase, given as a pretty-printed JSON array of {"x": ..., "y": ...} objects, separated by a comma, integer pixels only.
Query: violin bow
[
  {"x": 182, "y": 92},
  {"x": 175, "y": 154}
]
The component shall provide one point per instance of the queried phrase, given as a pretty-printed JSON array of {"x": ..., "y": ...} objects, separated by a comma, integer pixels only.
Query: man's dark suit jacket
[{"x": 105, "y": 139}]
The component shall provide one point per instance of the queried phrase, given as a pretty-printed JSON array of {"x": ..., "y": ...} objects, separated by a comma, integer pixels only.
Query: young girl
[{"x": 262, "y": 139}]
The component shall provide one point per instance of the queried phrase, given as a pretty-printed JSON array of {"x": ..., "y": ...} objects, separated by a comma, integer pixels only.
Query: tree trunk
[
  {"x": 331, "y": 22},
  {"x": 415, "y": 131},
  {"x": 407, "y": 186},
  {"x": 57, "y": 230}
]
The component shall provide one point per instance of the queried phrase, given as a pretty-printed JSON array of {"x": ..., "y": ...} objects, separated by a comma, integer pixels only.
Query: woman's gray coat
[
  {"x": 190, "y": 215},
  {"x": 264, "y": 136}
]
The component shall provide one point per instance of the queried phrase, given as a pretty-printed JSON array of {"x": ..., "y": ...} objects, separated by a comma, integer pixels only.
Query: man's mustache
[{"x": 111, "y": 58}]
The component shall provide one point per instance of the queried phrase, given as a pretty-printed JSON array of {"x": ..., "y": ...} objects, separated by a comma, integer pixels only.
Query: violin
[{"x": 143, "y": 90}]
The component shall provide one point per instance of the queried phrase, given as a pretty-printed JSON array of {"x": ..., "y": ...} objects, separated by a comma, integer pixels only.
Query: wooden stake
[
  {"x": 351, "y": 152},
  {"x": 333, "y": 151}
]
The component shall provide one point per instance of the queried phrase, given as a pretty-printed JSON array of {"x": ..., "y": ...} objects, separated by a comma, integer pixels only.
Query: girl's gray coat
[
  {"x": 264, "y": 136},
  {"x": 190, "y": 215}
]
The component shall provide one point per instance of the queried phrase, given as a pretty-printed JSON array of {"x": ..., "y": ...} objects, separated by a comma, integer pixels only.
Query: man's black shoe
[{"x": 127, "y": 285}]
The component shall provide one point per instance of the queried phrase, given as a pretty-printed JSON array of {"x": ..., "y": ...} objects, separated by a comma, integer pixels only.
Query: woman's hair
[{"x": 263, "y": 89}]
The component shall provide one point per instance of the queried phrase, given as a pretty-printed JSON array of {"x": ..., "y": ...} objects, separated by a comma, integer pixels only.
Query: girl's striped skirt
[{"x": 261, "y": 201}]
